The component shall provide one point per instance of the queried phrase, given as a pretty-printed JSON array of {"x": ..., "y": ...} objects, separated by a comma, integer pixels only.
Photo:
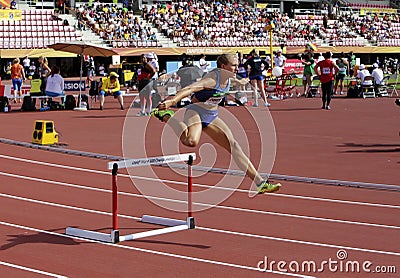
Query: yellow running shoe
[
  {"x": 160, "y": 114},
  {"x": 268, "y": 187}
]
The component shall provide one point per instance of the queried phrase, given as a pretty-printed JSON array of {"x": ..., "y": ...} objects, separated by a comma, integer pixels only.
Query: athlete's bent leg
[{"x": 188, "y": 131}]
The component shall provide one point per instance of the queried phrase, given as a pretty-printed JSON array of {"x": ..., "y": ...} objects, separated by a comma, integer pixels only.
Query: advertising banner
[
  {"x": 294, "y": 64},
  {"x": 73, "y": 85},
  {"x": 10, "y": 14}
]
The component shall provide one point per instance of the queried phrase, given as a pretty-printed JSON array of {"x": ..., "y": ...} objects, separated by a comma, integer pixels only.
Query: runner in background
[
  {"x": 145, "y": 73},
  {"x": 255, "y": 67},
  {"x": 17, "y": 77},
  {"x": 307, "y": 60},
  {"x": 343, "y": 66},
  {"x": 241, "y": 95},
  {"x": 326, "y": 70}
]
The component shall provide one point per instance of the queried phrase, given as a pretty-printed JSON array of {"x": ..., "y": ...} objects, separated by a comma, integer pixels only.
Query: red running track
[{"x": 43, "y": 192}]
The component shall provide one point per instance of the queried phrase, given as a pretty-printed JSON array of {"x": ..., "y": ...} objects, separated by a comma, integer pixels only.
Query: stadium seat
[
  {"x": 382, "y": 90},
  {"x": 313, "y": 89},
  {"x": 368, "y": 90}
]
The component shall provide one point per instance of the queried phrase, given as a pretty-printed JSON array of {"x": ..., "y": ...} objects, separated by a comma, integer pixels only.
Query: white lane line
[
  {"x": 203, "y": 204},
  {"x": 280, "y": 195},
  {"x": 32, "y": 270},
  {"x": 302, "y": 242},
  {"x": 207, "y": 229},
  {"x": 245, "y": 267}
]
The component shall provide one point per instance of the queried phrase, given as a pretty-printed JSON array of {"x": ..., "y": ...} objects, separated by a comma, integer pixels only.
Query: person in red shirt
[
  {"x": 326, "y": 70},
  {"x": 145, "y": 73}
]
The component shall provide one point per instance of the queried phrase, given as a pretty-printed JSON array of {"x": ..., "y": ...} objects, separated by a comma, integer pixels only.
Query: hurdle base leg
[
  {"x": 115, "y": 236},
  {"x": 190, "y": 223},
  {"x": 172, "y": 225},
  {"x": 162, "y": 221},
  {"x": 154, "y": 232},
  {"x": 168, "y": 221},
  {"x": 109, "y": 238}
]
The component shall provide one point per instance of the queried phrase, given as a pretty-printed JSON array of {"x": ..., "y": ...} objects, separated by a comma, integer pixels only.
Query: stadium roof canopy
[{"x": 34, "y": 53}]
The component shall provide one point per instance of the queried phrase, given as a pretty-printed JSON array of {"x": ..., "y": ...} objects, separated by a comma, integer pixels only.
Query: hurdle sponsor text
[
  {"x": 340, "y": 264},
  {"x": 156, "y": 160},
  {"x": 152, "y": 160}
]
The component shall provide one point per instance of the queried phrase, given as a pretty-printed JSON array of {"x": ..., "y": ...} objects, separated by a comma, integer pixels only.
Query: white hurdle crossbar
[{"x": 173, "y": 225}]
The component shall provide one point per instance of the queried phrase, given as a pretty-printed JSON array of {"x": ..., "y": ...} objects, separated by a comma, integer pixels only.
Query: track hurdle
[{"x": 172, "y": 225}]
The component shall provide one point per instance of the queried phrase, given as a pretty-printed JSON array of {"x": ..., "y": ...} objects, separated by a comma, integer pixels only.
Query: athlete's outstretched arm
[
  {"x": 205, "y": 83},
  {"x": 242, "y": 81}
]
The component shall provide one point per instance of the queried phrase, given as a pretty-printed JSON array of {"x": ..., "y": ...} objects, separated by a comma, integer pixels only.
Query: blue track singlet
[{"x": 212, "y": 97}]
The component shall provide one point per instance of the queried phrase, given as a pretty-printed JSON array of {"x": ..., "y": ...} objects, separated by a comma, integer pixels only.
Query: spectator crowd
[
  {"x": 233, "y": 23},
  {"x": 114, "y": 23}
]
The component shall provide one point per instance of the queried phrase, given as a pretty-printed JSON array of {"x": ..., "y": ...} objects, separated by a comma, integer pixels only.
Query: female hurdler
[{"x": 202, "y": 115}]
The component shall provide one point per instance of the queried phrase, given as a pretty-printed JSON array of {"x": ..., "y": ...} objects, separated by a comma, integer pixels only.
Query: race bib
[
  {"x": 326, "y": 70},
  {"x": 213, "y": 101}
]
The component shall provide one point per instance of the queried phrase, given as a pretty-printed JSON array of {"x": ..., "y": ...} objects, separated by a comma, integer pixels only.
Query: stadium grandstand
[{"x": 212, "y": 27}]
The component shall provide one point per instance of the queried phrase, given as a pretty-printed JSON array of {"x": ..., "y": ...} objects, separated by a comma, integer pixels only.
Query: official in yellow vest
[{"x": 110, "y": 85}]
